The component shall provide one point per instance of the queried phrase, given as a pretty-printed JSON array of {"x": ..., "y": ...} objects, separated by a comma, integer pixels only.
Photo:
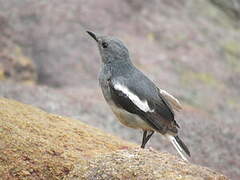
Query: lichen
[
  {"x": 232, "y": 47},
  {"x": 188, "y": 77},
  {"x": 2, "y": 76},
  {"x": 231, "y": 50}
]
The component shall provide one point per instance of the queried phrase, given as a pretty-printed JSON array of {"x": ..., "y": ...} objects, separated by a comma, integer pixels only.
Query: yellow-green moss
[
  {"x": 151, "y": 37},
  {"x": 214, "y": 14},
  {"x": 20, "y": 57},
  {"x": 189, "y": 76},
  {"x": 232, "y": 47},
  {"x": 231, "y": 50},
  {"x": 2, "y": 76},
  {"x": 233, "y": 103},
  {"x": 233, "y": 62}
]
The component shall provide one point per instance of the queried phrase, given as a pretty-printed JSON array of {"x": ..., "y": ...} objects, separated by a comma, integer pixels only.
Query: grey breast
[
  {"x": 104, "y": 76},
  {"x": 126, "y": 118}
]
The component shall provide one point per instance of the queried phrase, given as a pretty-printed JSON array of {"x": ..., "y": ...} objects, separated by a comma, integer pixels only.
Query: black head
[{"x": 111, "y": 49}]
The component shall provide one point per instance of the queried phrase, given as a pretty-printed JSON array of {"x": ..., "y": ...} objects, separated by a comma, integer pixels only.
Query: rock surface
[
  {"x": 38, "y": 145},
  {"x": 14, "y": 65},
  {"x": 189, "y": 48},
  {"x": 142, "y": 164},
  {"x": 35, "y": 144}
]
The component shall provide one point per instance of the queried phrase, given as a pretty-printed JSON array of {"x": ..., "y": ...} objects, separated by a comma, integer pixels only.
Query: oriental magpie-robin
[{"x": 135, "y": 100}]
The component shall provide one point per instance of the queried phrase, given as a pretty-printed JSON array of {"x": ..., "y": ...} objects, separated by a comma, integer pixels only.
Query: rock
[
  {"x": 231, "y": 8},
  {"x": 141, "y": 164},
  {"x": 14, "y": 64},
  {"x": 45, "y": 145},
  {"x": 38, "y": 145}
]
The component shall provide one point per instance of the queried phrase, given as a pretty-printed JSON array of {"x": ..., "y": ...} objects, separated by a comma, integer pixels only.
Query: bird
[{"x": 135, "y": 100}]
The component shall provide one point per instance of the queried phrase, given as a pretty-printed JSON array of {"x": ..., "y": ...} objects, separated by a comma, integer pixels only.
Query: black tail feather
[{"x": 183, "y": 146}]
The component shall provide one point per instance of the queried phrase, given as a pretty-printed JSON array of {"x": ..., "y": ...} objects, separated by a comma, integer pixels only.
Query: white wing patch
[
  {"x": 141, "y": 104},
  {"x": 172, "y": 100}
]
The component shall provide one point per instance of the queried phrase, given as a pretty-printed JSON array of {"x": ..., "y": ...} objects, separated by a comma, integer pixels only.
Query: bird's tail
[{"x": 179, "y": 146}]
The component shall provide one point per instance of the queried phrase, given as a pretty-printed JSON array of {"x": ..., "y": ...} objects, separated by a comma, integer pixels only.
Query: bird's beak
[{"x": 93, "y": 35}]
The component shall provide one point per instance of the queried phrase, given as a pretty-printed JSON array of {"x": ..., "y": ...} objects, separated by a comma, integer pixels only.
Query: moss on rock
[
  {"x": 35, "y": 144},
  {"x": 38, "y": 145},
  {"x": 188, "y": 77},
  {"x": 231, "y": 50}
]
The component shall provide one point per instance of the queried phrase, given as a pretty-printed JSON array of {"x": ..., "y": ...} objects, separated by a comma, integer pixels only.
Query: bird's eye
[{"x": 104, "y": 44}]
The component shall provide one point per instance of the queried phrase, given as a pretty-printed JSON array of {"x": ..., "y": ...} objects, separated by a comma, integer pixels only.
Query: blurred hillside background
[{"x": 191, "y": 48}]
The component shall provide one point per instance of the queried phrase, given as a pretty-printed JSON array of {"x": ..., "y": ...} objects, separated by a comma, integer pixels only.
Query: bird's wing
[
  {"x": 144, "y": 102},
  {"x": 175, "y": 104}
]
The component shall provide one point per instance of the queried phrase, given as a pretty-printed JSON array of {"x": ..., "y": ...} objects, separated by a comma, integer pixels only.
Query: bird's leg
[
  {"x": 149, "y": 136},
  {"x": 143, "y": 139},
  {"x": 146, "y": 138}
]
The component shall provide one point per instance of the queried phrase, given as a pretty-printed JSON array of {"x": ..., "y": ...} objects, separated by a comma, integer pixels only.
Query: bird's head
[{"x": 111, "y": 49}]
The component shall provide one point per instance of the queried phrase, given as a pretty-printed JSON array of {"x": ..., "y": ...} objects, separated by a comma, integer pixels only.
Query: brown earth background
[{"x": 191, "y": 48}]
